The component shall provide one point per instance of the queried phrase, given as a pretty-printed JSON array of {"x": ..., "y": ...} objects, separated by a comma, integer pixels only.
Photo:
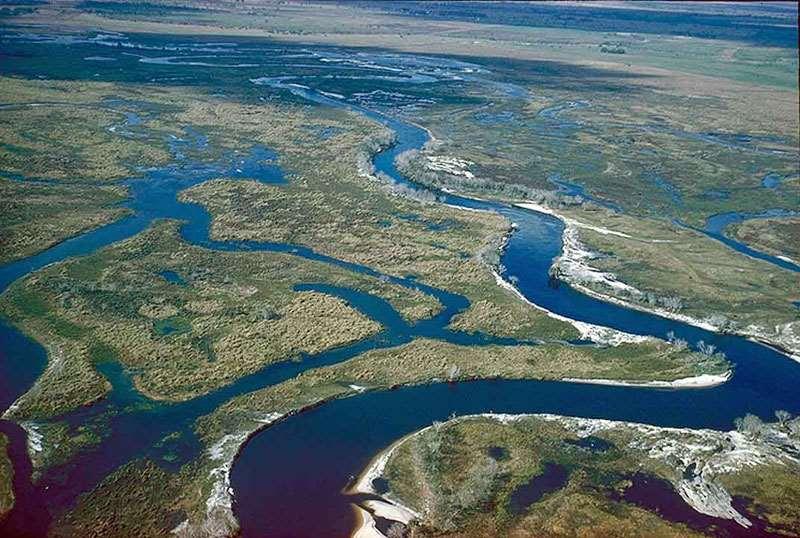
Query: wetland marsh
[{"x": 266, "y": 294}]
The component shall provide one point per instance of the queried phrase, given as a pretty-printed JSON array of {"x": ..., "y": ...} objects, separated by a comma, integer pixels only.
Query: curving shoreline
[
  {"x": 755, "y": 334},
  {"x": 695, "y": 382},
  {"x": 391, "y": 508},
  {"x": 589, "y": 331},
  {"x": 696, "y": 468},
  {"x": 223, "y": 489},
  {"x": 366, "y": 527}
]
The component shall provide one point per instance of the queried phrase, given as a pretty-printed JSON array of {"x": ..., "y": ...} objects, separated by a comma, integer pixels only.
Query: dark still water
[{"x": 288, "y": 478}]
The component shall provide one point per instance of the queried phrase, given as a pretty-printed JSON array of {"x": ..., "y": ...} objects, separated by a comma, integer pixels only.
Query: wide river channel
[{"x": 289, "y": 476}]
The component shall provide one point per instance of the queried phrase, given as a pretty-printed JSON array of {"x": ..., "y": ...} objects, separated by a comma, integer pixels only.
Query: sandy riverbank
[
  {"x": 787, "y": 346},
  {"x": 386, "y": 508},
  {"x": 694, "y": 382}
]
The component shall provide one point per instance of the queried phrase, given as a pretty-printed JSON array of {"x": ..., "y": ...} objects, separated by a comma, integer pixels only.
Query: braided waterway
[
  {"x": 136, "y": 424},
  {"x": 288, "y": 477},
  {"x": 301, "y": 495}
]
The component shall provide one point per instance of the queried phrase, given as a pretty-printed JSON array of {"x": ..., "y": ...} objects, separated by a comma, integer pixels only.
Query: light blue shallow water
[{"x": 305, "y": 461}]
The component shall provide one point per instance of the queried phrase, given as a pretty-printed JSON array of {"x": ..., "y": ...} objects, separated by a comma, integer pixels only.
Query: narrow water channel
[{"x": 288, "y": 477}]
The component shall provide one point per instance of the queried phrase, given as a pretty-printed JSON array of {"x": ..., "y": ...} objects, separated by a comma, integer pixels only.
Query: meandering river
[
  {"x": 301, "y": 495},
  {"x": 288, "y": 478}
]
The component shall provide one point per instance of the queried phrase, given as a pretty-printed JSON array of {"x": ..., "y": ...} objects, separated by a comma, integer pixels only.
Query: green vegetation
[
  {"x": 420, "y": 361},
  {"x": 770, "y": 491},
  {"x": 699, "y": 276},
  {"x": 328, "y": 206},
  {"x": 364, "y": 26},
  {"x": 71, "y": 135},
  {"x": 779, "y": 237},
  {"x": 34, "y": 217},
  {"x": 167, "y": 498},
  {"x": 424, "y": 360},
  {"x": 656, "y": 138},
  {"x": 141, "y": 495},
  {"x": 236, "y": 313},
  {"x": 672, "y": 128},
  {"x": 60, "y": 441},
  {"x": 654, "y": 152},
  {"x": 677, "y": 127},
  {"x": 515, "y": 319},
  {"x": 65, "y": 131},
  {"x": 139, "y": 9},
  {"x": 6, "y": 476},
  {"x": 464, "y": 475}
]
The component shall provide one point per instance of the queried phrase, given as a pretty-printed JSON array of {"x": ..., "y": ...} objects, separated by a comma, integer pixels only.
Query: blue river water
[
  {"x": 288, "y": 477},
  {"x": 717, "y": 224},
  {"x": 331, "y": 443}
]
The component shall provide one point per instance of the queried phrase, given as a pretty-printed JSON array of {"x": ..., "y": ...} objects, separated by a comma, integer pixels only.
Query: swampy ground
[
  {"x": 518, "y": 475},
  {"x": 214, "y": 218}
]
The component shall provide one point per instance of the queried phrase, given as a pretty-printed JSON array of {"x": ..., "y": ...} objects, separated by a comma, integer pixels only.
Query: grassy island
[
  {"x": 679, "y": 272},
  {"x": 514, "y": 475}
]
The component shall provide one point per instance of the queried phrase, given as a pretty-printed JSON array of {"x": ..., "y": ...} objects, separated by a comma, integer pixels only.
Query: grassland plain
[
  {"x": 176, "y": 316},
  {"x": 330, "y": 206},
  {"x": 34, "y": 216},
  {"x": 364, "y": 26},
  {"x": 180, "y": 320},
  {"x": 66, "y": 131},
  {"x": 198, "y": 493},
  {"x": 659, "y": 137},
  {"x": 64, "y": 145},
  {"x": 519, "y": 475},
  {"x": 779, "y": 237},
  {"x": 185, "y": 320},
  {"x": 148, "y": 500},
  {"x": 650, "y": 151},
  {"x": 6, "y": 477},
  {"x": 679, "y": 271}
]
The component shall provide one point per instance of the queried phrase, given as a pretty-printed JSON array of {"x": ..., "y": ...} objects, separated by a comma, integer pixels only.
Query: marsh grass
[
  {"x": 236, "y": 313},
  {"x": 710, "y": 278},
  {"x": 779, "y": 237},
  {"x": 6, "y": 477},
  {"x": 426, "y": 469}
]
